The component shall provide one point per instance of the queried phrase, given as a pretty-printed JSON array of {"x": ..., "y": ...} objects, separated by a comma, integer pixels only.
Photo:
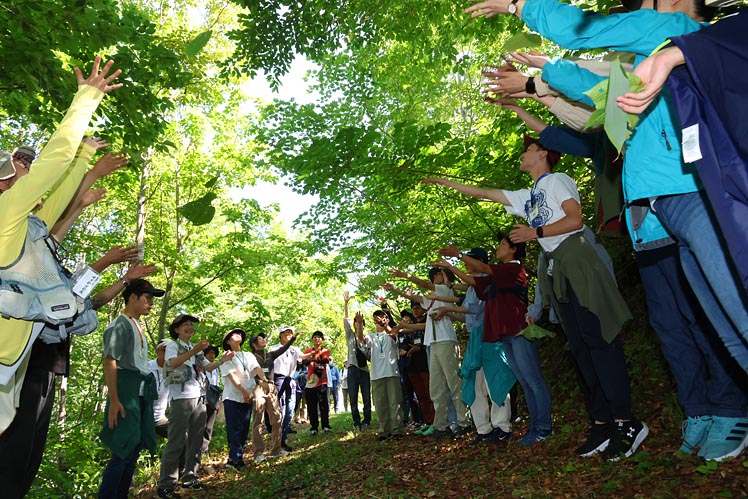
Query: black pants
[
  {"x": 602, "y": 364},
  {"x": 314, "y": 397},
  {"x": 22, "y": 444}
]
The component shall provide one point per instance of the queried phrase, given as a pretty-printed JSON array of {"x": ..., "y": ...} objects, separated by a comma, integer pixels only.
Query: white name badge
[
  {"x": 417, "y": 341},
  {"x": 85, "y": 280}
]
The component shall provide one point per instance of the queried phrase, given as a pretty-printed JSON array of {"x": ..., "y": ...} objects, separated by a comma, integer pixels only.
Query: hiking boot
[
  {"x": 259, "y": 458},
  {"x": 167, "y": 494},
  {"x": 694, "y": 431},
  {"x": 499, "y": 435},
  {"x": 193, "y": 485},
  {"x": 597, "y": 439},
  {"x": 727, "y": 437},
  {"x": 440, "y": 434},
  {"x": 625, "y": 438}
]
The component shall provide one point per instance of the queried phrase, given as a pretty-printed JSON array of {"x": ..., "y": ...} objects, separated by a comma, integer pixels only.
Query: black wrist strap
[{"x": 530, "y": 85}]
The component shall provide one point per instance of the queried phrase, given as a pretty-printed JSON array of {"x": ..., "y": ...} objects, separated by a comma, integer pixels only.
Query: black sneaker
[
  {"x": 460, "y": 431},
  {"x": 382, "y": 438},
  {"x": 238, "y": 466},
  {"x": 597, "y": 439},
  {"x": 167, "y": 494},
  {"x": 286, "y": 447},
  {"x": 312, "y": 432},
  {"x": 440, "y": 434},
  {"x": 327, "y": 429},
  {"x": 499, "y": 435},
  {"x": 481, "y": 439},
  {"x": 292, "y": 430},
  {"x": 625, "y": 438},
  {"x": 193, "y": 485}
]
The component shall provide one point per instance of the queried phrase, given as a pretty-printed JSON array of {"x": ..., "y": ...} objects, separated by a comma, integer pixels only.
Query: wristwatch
[
  {"x": 530, "y": 85},
  {"x": 539, "y": 232},
  {"x": 512, "y": 7}
]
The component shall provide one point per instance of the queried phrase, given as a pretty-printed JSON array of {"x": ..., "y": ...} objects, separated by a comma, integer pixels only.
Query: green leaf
[
  {"x": 212, "y": 182},
  {"x": 522, "y": 40},
  {"x": 199, "y": 211},
  {"x": 617, "y": 123},
  {"x": 198, "y": 43},
  {"x": 615, "y": 118}
]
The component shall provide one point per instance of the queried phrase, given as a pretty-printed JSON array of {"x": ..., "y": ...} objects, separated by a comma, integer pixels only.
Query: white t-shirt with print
[
  {"x": 541, "y": 205},
  {"x": 242, "y": 364},
  {"x": 384, "y": 356}
]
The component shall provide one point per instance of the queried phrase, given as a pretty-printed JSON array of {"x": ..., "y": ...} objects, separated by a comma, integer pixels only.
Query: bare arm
[
  {"x": 571, "y": 222},
  {"x": 478, "y": 265},
  {"x": 464, "y": 276},
  {"x": 237, "y": 382},
  {"x": 177, "y": 361},
  {"x": 421, "y": 283},
  {"x": 136, "y": 271},
  {"x": 115, "y": 406},
  {"x": 496, "y": 195}
]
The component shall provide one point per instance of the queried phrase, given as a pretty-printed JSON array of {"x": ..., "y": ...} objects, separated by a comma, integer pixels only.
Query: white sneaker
[
  {"x": 259, "y": 458},
  {"x": 280, "y": 453}
]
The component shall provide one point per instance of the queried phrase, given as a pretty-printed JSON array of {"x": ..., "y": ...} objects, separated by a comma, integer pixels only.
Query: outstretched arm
[
  {"x": 421, "y": 283},
  {"x": 496, "y": 195},
  {"x": 136, "y": 271},
  {"x": 478, "y": 265}
]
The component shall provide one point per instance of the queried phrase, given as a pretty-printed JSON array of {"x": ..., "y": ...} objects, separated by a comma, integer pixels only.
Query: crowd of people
[{"x": 681, "y": 217}]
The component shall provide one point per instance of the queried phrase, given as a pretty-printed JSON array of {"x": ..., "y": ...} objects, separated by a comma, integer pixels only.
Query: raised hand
[
  {"x": 119, "y": 254},
  {"x": 92, "y": 196},
  {"x": 108, "y": 164},
  {"x": 398, "y": 273},
  {"x": 138, "y": 271},
  {"x": 450, "y": 250},
  {"x": 346, "y": 296},
  {"x": 100, "y": 79},
  {"x": 95, "y": 142},
  {"x": 533, "y": 59},
  {"x": 654, "y": 71},
  {"x": 488, "y": 8}
]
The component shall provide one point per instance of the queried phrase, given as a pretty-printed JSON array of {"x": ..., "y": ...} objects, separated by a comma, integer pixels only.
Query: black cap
[
  {"x": 318, "y": 333},
  {"x": 140, "y": 286},
  {"x": 478, "y": 254}
]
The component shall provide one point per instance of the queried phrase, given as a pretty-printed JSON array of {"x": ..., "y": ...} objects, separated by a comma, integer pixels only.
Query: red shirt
[
  {"x": 505, "y": 294},
  {"x": 323, "y": 353}
]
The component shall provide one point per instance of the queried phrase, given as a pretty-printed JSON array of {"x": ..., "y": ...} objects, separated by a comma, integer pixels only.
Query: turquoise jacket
[{"x": 653, "y": 164}]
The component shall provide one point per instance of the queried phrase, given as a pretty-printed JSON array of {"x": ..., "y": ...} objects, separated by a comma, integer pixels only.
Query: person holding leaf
[
  {"x": 578, "y": 286},
  {"x": 658, "y": 173}
]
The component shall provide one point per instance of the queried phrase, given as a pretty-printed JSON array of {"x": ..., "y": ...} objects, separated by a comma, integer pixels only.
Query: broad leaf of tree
[
  {"x": 200, "y": 211},
  {"x": 523, "y": 40},
  {"x": 198, "y": 43},
  {"x": 617, "y": 123}
]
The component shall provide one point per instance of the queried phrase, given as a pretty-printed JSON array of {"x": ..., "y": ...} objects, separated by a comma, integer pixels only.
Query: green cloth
[
  {"x": 535, "y": 332},
  {"x": 137, "y": 428},
  {"x": 491, "y": 357},
  {"x": 575, "y": 262}
]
